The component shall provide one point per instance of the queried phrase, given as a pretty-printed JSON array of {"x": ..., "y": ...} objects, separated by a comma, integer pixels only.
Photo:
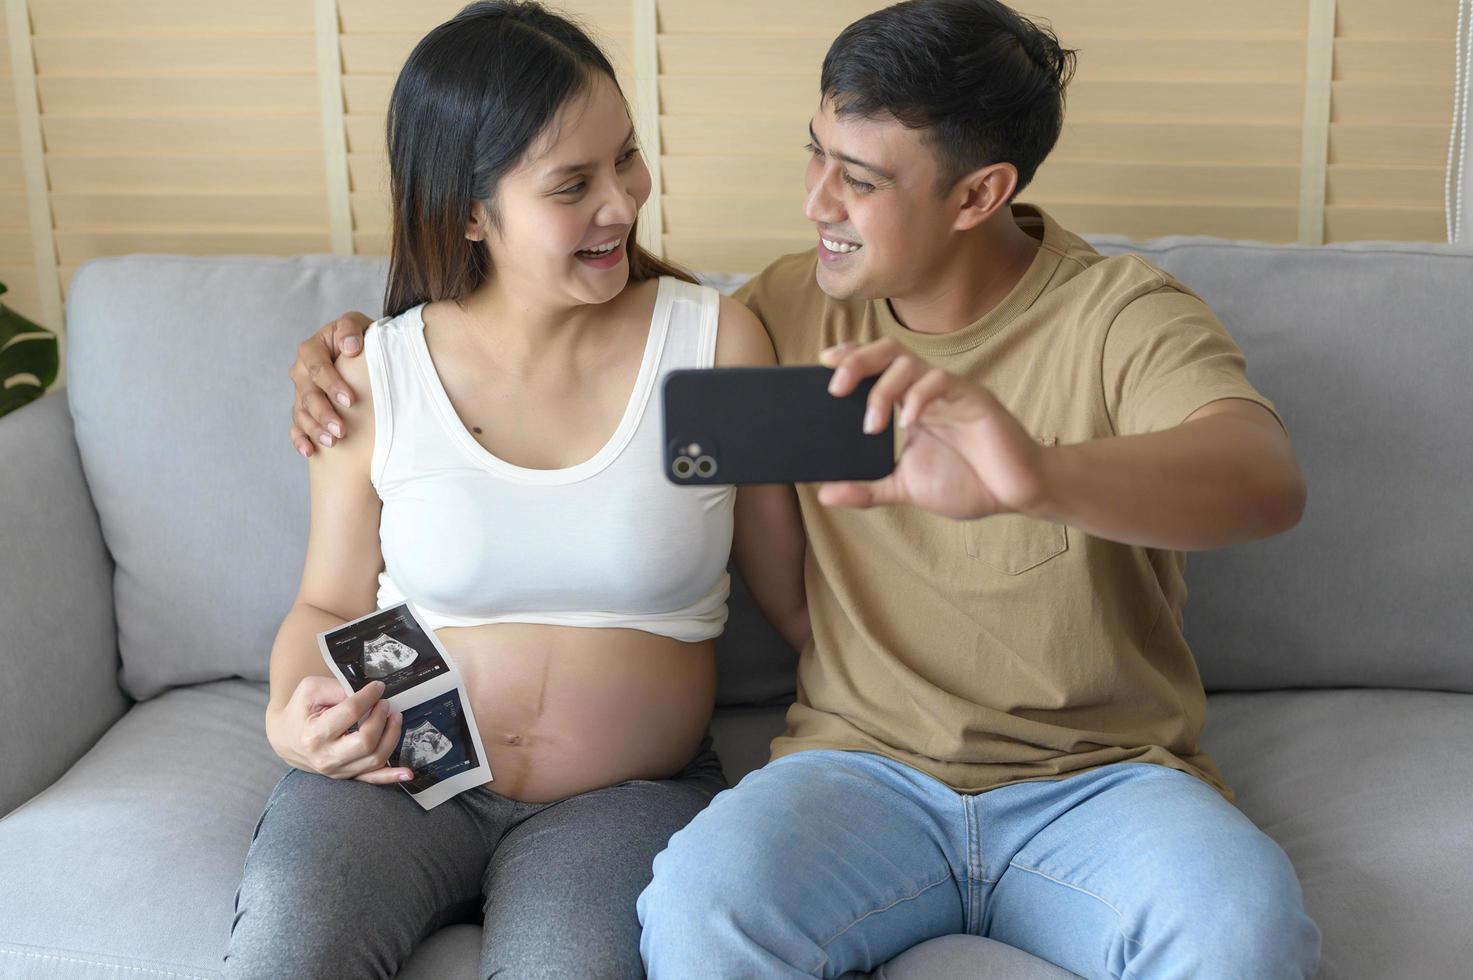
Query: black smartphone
[{"x": 769, "y": 425}]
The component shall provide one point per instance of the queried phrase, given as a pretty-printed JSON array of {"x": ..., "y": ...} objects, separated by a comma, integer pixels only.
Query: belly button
[{"x": 512, "y": 739}]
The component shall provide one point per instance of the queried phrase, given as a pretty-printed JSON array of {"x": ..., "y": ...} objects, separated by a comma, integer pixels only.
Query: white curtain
[{"x": 1459, "y": 186}]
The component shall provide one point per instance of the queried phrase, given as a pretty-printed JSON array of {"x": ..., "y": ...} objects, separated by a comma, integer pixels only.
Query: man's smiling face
[{"x": 883, "y": 229}]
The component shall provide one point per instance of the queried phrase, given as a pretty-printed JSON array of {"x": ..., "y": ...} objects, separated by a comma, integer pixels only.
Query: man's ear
[
  {"x": 478, "y": 225},
  {"x": 982, "y": 192}
]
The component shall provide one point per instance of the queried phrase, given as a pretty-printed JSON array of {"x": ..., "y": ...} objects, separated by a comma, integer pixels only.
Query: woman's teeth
[
  {"x": 598, "y": 250},
  {"x": 841, "y": 247}
]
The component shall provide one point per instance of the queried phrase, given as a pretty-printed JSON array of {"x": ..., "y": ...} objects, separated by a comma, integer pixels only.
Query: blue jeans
[{"x": 826, "y": 861}]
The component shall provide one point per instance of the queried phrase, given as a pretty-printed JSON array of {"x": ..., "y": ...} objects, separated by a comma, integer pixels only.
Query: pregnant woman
[{"x": 504, "y": 476}]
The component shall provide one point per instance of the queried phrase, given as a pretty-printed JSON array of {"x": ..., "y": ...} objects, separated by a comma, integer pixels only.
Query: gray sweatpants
[{"x": 343, "y": 878}]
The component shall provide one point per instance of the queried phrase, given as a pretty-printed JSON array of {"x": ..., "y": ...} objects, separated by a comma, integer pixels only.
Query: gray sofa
[{"x": 153, "y": 518}]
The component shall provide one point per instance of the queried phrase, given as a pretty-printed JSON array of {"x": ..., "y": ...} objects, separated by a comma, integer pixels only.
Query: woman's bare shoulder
[
  {"x": 741, "y": 339},
  {"x": 358, "y": 421}
]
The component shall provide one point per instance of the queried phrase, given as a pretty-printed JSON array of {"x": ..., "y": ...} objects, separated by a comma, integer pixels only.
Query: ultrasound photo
[
  {"x": 388, "y": 645},
  {"x": 439, "y": 740},
  {"x": 436, "y": 743}
]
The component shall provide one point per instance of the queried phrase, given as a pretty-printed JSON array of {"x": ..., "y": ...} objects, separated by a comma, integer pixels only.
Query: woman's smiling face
[{"x": 565, "y": 213}]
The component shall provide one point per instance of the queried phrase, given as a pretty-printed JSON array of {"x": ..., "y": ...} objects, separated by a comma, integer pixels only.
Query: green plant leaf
[{"x": 26, "y": 348}]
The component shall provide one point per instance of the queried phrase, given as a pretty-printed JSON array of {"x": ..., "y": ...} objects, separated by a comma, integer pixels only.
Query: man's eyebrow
[
  {"x": 883, "y": 175},
  {"x": 575, "y": 167}
]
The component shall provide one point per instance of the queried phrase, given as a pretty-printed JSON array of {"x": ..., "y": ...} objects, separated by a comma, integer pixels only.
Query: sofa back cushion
[
  {"x": 176, "y": 374},
  {"x": 177, "y": 382},
  {"x": 1367, "y": 351}
]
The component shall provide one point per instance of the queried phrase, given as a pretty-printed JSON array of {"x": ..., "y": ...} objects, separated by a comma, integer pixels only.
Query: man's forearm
[{"x": 1207, "y": 483}]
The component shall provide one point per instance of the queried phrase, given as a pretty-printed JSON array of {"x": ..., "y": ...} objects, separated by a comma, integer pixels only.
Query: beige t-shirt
[{"x": 1008, "y": 649}]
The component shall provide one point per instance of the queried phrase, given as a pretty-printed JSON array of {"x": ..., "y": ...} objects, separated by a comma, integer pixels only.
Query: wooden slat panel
[
  {"x": 186, "y": 172},
  {"x": 732, "y": 254},
  {"x": 370, "y": 210},
  {"x": 385, "y": 53},
  {"x": 210, "y": 210},
  {"x": 1069, "y": 17},
  {"x": 1146, "y": 182},
  {"x": 9, "y": 138},
  {"x": 1391, "y": 109},
  {"x": 1185, "y": 100},
  {"x": 1385, "y": 101},
  {"x": 1267, "y": 143},
  {"x": 246, "y": 54},
  {"x": 15, "y": 246},
  {"x": 1347, "y": 224},
  {"x": 205, "y": 95},
  {"x": 1088, "y": 98},
  {"x": 1394, "y": 60},
  {"x": 695, "y": 176},
  {"x": 749, "y": 214},
  {"x": 186, "y": 134},
  {"x": 371, "y": 241},
  {"x": 730, "y": 175},
  {"x": 1083, "y": 140},
  {"x": 368, "y": 172},
  {"x": 1405, "y": 18},
  {"x": 170, "y": 17},
  {"x": 365, "y": 134},
  {"x": 1361, "y": 184},
  {"x": 368, "y": 94},
  {"x": 75, "y": 247},
  {"x": 21, "y": 293},
  {"x": 13, "y": 213},
  {"x": 1387, "y": 143},
  {"x": 1104, "y": 57},
  {"x": 694, "y": 217},
  {"x": 11, "y": 178},
  {"x": 396, "y": 16},
  {"x": 1236, "y": 221}
]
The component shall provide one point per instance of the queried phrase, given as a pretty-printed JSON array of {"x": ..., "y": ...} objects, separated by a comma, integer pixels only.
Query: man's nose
[{"x": 822, "y": 205}]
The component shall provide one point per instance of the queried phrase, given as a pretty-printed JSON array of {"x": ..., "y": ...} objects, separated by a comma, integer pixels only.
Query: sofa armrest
[{"x": 58, "y": 644}]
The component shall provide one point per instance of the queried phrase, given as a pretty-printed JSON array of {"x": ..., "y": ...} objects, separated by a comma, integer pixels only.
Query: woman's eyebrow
[{"x": 575, "y": 167}]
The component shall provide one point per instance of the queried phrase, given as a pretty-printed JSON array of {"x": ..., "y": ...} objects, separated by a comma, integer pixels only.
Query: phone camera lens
[
  {"x": 683, "y": 466},
  {"x": 705, "y": 466}
]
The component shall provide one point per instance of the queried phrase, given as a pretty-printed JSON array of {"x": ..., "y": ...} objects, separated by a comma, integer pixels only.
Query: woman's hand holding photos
[{"x": 312, "y": 732}]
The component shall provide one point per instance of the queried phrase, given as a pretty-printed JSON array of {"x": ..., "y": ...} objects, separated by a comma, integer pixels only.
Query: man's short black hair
[{"x": 984, "y": 82}]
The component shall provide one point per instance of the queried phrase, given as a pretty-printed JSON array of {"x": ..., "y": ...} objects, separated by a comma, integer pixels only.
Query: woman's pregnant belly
[{"x": 564, "y": 710}]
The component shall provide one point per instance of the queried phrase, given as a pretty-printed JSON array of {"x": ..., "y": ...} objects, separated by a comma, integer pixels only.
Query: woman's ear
[
  {"x": 477, "y": 227},
  {"x": 983, "y": 192}
]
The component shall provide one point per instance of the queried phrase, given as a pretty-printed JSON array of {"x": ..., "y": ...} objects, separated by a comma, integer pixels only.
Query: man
[{"x": 997, "y": 716}]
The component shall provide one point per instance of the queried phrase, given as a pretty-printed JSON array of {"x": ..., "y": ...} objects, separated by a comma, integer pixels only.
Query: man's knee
[{"x": 1249, "y": 919}]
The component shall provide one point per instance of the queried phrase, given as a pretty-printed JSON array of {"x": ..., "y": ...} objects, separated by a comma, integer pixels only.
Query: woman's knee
[{"x": 311, "y": 897}]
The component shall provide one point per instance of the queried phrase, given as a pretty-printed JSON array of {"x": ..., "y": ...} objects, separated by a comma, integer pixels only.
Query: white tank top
[{"x": 472, "y": 539}]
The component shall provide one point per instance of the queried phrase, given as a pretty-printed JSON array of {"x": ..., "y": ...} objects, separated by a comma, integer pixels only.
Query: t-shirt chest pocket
[{"x": 1013, "y": 543}]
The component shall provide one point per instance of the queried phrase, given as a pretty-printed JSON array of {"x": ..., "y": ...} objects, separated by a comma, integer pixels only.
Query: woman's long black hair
[{"x": 472, "y": 97}]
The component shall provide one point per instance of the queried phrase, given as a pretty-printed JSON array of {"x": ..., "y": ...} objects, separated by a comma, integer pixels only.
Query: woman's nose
[{"x": 620, "y": 208}]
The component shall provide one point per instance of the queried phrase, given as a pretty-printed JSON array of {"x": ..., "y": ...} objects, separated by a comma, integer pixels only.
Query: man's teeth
[
  {"x": 840, "y": 247},
  {"x": 599, "y": 249}
]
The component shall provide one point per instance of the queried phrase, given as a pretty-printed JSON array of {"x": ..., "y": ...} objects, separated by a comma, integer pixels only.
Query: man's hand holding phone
[{"x": 965, "y": 455}]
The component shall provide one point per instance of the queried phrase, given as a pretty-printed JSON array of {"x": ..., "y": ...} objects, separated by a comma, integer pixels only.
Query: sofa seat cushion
[
  {"x": 1369, "y": 792},
  {"x": 127, "y": 866}
]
